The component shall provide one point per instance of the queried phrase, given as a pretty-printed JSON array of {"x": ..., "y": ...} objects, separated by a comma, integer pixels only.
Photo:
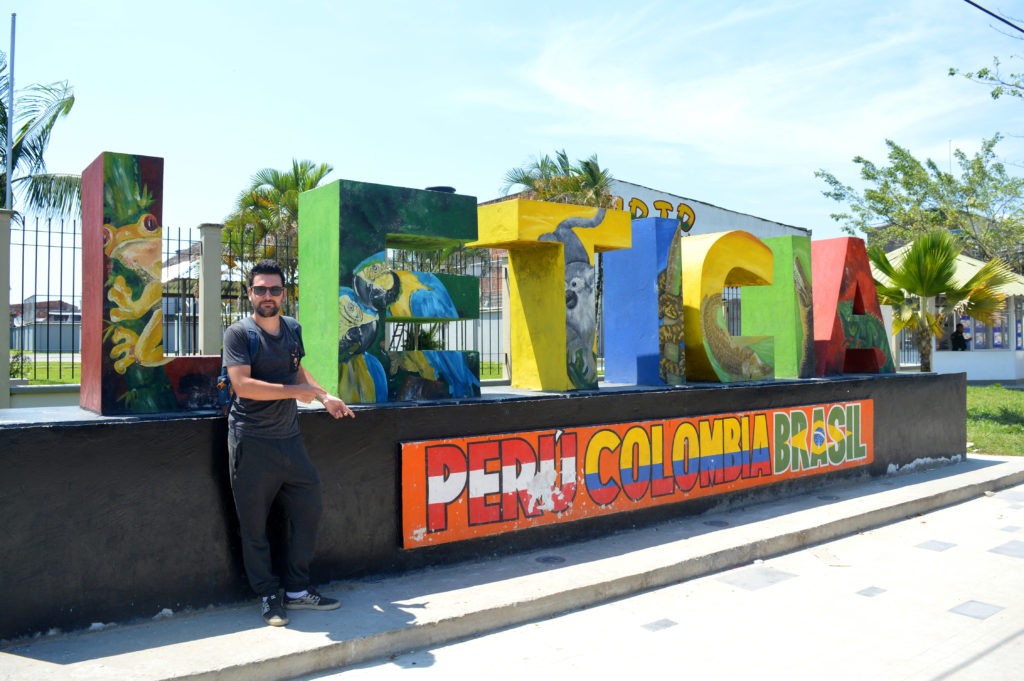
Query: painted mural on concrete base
[
  {"x": 785, "y": 310},
  {"x": 643, "y": 315},
  {"x": 467, "y": 487},
  {"x": 346, "y": 231},
  {"x": 849, "y": 334},
  {"x": 552, "y": 286},
  {"x": 124, "y": 370},
  {"x": 711, "y": 262}
]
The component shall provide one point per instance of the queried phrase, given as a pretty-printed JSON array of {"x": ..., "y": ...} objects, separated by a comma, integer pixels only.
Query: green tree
[
  {"x": 982, "y": 206},
  {"x": 265, "y": 221},
  {"x": 584, "y": 183},
  {"x": 557, "y": 180},
  {"x": 270, "y": 204},
  {"x": 1010, "y": 84},
  {"x": 37, "y": 109},
  {"x": 923, "y": 291}
]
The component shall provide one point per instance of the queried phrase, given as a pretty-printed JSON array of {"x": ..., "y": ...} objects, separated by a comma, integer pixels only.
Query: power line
[{"x": 996, "y": 16}]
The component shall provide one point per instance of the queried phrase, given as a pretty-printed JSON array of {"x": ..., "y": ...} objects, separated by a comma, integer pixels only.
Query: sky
[{"x": 731, "y": 103}]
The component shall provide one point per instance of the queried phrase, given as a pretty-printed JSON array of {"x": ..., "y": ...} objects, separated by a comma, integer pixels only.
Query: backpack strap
[
  {"x": 254, "y": 336},
  {"x": 293, "y": 325},
  {"x": 225, "y": 393}
]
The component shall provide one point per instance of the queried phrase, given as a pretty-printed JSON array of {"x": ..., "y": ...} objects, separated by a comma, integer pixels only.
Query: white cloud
[{"x": 606, "y": 78}]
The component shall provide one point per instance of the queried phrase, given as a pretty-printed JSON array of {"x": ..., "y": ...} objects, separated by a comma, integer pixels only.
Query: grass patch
[
  {"x": 40, "y": 372},
  {"x": 490, "y": 370},
  {"x": 995, "y": 420}
]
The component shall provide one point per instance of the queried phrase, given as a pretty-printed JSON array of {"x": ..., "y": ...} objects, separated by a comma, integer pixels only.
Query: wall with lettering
[{"x": 461, "y": 488}]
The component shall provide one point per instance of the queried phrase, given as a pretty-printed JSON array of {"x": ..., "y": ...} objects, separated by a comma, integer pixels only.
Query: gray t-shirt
[{"x": 276, "y": 361}]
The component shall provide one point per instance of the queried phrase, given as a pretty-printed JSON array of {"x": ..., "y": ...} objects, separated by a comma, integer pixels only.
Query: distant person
[
  {"x": 267, "y": 457},
  {"x": 957, "y": 338}
]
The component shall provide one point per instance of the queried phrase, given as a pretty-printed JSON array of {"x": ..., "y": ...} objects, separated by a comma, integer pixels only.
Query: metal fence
[
  {"x": 46, "y": 284},
  {"x": 909, "y": 355},
  {"x": 46, "y": 295},
  {"x": 484, "y": 334},
  {"x": 181, "y": 256},
  {"x": 46, "y": 310},
  {"x": 240, "y": 251}
]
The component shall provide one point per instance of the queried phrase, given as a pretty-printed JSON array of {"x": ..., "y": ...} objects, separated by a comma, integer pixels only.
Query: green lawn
[
  {"x": 490, "y": 370},
  {"x": 41, "y": 372},
  {"x": 995, "y": 420},
  {"x": 36, "y": 373}
]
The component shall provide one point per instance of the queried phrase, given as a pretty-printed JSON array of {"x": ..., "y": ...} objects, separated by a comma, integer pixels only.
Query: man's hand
[{"x": 335, "y": 407}]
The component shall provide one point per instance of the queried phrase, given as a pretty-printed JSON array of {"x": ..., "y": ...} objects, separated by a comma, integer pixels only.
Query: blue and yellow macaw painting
[
  {"x": 361, "y": 376},
  {"x": 407, "y": 295},
  {"x": 349, "y": 227},
  {"x": 433, "y": 374},
  {"x": 414, "y": 374}
]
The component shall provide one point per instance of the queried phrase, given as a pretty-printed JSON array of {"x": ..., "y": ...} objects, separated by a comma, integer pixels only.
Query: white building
[
  {"x": 994, "y": 353},
  {"x": 703, "y": 218}
]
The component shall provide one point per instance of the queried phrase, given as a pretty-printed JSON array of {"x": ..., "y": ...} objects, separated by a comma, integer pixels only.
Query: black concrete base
[{"x": 112, "y": 519}]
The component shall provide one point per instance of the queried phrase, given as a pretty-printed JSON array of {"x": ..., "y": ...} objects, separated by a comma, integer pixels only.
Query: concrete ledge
[
  {"x": 56, "y": 395},
  {"x": 437, "y": 605}
]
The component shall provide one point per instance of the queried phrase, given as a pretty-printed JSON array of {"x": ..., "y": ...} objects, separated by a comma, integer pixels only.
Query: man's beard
[{"x": 272, "y": 309}]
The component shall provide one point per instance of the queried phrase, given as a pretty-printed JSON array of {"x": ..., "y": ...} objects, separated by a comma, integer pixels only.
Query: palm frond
[
  {"x": 37, "y": 110},
  {"x": 53, "y": 194},
  {"x": 559, "y": 181}
]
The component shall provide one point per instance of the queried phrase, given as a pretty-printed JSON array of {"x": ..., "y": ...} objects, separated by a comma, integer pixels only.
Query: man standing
[
  {"x": 957, "y": 339},
  {"x": 267, "y": 458}
]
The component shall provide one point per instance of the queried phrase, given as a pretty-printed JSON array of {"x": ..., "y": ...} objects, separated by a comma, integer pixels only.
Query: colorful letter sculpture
[
  {"x": 349, "y": 291},
  {"x": 124, "y": 370},
  {"x": 785, "y": 309},
  {"x": 849, "y": 335},
  {"x": 710, "y": 262},
  {"x": 552, "y": 286},
  {"x": 643, "y": 315}
]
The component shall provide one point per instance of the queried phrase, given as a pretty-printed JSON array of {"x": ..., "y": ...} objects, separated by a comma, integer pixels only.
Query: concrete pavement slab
[
  {"x": 436, "y": 605},
  {"x": 954, "y": 615}
]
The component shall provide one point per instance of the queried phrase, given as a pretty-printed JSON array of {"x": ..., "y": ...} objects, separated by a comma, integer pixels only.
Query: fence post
[
  {"x": 5, "y": 308},
  {"x": 210, "y": 331},
  {"x": 505, "y": 357}
]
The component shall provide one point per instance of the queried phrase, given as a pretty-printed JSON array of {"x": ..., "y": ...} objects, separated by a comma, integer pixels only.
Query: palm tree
[
  {"x": 266, "y": 218},
  {"x": 37, "y": 110},
  {"x": 923, "y": 291},
  {"x": 271, "y": 202},
  {"x": 557, "y": 180},
  {"x": 584, "y": 183}
]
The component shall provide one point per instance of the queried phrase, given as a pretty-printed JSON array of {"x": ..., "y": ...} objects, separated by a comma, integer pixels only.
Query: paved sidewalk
[
  {"x": 430, "y": 607},
  {"x": 934, "y": 597}
]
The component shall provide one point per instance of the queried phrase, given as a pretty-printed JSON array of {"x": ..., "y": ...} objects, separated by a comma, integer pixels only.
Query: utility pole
[{"x": 10, "y": 119}]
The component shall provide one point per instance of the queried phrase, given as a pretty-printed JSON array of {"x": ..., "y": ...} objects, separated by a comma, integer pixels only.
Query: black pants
[{"x": 262, "y": 470}]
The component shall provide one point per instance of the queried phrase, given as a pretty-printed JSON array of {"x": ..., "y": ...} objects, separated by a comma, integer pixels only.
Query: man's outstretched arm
[{"x": 334, "y": 405}]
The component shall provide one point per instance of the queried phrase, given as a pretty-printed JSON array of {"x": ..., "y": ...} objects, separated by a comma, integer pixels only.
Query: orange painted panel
[{"x": 467, "y": 487}]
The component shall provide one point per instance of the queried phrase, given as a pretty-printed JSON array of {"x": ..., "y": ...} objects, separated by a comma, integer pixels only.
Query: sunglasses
[{"x": 263, "y": 290}]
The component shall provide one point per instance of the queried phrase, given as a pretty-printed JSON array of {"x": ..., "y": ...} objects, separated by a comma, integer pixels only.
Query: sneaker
[
  {"x": 311, "y": 601},
  {"x": 273, "y": 612}
]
